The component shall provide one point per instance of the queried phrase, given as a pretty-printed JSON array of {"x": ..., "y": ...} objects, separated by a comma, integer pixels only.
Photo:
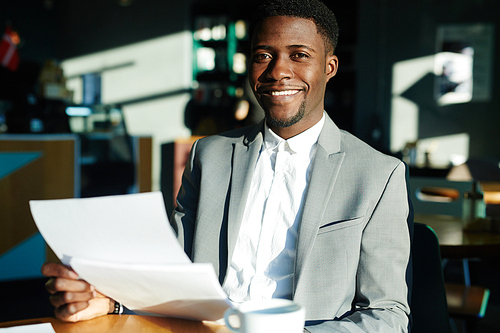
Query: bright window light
[{"x": 78, "y": 111}]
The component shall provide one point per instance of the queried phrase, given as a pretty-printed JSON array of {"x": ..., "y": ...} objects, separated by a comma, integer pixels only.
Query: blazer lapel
[{"x": 326, "y": 166}]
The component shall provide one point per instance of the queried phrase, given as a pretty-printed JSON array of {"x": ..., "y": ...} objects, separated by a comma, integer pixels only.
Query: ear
[{"x": 332, "y": 64}]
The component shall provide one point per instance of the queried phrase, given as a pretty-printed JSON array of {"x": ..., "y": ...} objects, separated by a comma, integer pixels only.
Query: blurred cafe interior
[{"x": 106, "y": 97}]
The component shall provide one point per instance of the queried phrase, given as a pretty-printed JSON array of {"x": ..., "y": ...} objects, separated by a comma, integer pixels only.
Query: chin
[
  {"x": 287, "y": 120},
  {"x": 284, "y": 122}
]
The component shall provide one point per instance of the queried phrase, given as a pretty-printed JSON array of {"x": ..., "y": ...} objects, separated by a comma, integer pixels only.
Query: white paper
[
  {"x": 189, "y": 291},
  {"x": 130, "y": 228},
  {"x": 35, "y": 328},
  {"x": 125, "y": 247}
]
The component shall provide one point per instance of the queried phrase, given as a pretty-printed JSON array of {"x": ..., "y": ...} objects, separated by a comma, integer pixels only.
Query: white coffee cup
[{"x": 263, "y": 316}]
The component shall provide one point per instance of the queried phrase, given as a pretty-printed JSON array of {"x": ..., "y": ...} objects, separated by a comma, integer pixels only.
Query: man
[{"x": 292, "y": 207}]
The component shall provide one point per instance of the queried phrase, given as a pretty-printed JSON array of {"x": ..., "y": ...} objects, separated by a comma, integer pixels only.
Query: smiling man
[{"x": 292, "y": 207}]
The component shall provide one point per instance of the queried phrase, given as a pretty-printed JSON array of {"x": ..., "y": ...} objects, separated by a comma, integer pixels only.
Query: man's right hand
[{"x": 74, "y": 299}]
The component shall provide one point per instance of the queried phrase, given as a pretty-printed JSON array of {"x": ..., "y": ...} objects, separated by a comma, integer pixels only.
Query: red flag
[{"x": 9, "y": 57}]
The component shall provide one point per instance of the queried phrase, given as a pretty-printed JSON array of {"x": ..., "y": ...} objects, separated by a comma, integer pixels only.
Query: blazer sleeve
[
  {"x": 384, "y": 272},
  {"x": 184, "y": 215}
]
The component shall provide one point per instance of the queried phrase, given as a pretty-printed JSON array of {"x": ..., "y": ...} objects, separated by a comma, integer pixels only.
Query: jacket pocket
[{"x": 340, "y": 224}]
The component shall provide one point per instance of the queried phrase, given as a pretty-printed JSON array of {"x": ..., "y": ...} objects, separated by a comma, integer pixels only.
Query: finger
[
  {"x": 65, "y": 312},
  {"x": 55, "y": 285},
  {"x": 76, "y": 312},
  {"x": 51, "y": 269},
  {"x": 59, "y": 299}
]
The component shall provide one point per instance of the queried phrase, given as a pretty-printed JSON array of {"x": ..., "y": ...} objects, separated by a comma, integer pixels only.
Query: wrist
[
  {"x": 115, "y": 307},
  {"x": 111, "y": 306}
]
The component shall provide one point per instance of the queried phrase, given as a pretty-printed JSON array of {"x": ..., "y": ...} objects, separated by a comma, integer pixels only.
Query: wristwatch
[{"x": 118, "y": 308}]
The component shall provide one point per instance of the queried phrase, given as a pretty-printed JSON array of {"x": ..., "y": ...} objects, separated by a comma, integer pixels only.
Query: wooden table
[
  {"x": 455, "y": 243},
  {"x": 126, "y": 323}
]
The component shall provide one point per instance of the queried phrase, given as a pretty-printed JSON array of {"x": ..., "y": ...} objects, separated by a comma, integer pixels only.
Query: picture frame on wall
[{"x": 463, "y": 63}]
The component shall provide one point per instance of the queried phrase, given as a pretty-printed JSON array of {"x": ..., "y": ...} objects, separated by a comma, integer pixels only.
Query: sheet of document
[
  {"x": 35, "y": 328},
  {"x": 125, "y": 247},
  {"x": 189, "y": 291}
]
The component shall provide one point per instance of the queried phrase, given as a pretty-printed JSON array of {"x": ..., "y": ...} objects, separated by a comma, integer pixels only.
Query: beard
[{"x": 283, "y": 123}]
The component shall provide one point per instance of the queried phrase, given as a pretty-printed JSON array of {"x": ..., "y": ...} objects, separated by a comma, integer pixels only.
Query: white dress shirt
[{"x": 263, "y": 261}]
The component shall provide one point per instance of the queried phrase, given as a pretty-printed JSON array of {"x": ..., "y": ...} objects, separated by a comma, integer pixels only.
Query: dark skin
[{"x": 290, "y": 67}]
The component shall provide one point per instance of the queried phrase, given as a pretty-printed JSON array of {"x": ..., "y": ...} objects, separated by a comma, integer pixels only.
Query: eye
[
  {"x": 300, "y": 55},
  {"x": 261, "y": 57}
]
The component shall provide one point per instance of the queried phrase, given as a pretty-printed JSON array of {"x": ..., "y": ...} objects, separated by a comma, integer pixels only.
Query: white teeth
[{"x": 283, "y": 93}]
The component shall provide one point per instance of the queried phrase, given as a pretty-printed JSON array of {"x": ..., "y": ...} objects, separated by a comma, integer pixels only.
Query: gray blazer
[{"x": 352, "y": 270}]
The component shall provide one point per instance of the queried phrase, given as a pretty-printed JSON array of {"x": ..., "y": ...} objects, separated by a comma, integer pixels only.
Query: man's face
[{"x": 289, "y": 69}]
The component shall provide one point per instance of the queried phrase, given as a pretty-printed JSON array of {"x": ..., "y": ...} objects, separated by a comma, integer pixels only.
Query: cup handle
[{"x": 230, "y": 312}]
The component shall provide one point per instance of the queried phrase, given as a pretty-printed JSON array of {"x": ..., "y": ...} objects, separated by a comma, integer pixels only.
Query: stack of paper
[{"x": 125, "y": 247}]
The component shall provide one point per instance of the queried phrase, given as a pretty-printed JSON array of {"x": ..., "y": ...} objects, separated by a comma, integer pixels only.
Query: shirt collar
[{"x": 301, "y": 143}]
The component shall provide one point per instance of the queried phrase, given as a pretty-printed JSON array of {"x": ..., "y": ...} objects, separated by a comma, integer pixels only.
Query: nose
[{"x": 279, "y": 69}]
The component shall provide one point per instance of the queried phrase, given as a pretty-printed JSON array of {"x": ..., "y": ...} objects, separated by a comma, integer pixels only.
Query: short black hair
[{"x": 315, "y": 10}]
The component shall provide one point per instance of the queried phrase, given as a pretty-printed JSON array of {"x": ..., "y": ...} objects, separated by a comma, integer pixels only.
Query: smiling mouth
[{"x": 283, "y": 92}]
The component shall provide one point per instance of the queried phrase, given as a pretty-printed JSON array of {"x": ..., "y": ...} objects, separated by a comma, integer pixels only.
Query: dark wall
[
  {"x": 36, "y": 24},
  {"x": 391, "y": 31},
  {"x": 340, "y": 97},
  {"x": 92, "y": 26},
  {"x": 58, "y": 30},
  {"x": 62, "y": 29}
]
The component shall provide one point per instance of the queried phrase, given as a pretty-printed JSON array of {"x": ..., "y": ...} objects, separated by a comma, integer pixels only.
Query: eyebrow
[
  {"x": 300, "y": 46},
  {"x": 290, "y": 47}
]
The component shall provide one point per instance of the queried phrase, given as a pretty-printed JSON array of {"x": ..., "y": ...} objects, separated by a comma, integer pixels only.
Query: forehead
[{"x": 286, "y": 31}]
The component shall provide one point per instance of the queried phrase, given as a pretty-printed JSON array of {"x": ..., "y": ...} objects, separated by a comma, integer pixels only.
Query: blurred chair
[
  {"x": 438, "y": 196},
  {"x": 428, "y": 301},
  {"x": 435, "y": 196}
]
